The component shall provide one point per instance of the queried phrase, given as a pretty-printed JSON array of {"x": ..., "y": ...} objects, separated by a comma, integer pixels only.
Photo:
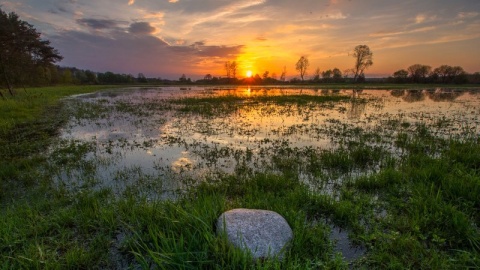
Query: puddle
[{"x": 343, "y": 245}]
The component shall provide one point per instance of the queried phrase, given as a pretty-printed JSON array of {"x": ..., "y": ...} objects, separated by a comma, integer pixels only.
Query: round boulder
[{"x": 263, "y": 233}]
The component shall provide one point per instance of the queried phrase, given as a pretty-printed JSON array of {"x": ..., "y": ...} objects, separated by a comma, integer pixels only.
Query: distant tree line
[{"x": 444, "y": 74}]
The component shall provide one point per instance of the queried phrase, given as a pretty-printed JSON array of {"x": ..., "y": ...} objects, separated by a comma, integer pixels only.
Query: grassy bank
[{"x": 419, "y": 210}]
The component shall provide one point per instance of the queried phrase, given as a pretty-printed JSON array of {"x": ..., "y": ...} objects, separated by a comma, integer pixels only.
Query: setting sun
[{"x": 249, "y": 73}]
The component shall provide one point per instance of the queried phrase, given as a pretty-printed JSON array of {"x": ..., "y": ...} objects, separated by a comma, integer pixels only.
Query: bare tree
[
  {"x": 347, "y": 73},
  {"x": 233, "y": 69},
  {"x": 284, "y": 74},
  {"x": 317, "y": 74},
  {"x": 363, "y": 60},
  {"x": 265, "y": 75},
  {"x": 302, "y": 66},
  {"x": 227, "y": 68}
]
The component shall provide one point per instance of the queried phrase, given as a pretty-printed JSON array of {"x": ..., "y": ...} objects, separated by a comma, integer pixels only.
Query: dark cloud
[
  {"x": 61, "y": 8},
  {"x": 98, "y": 24},
  {"x": 199, "y": 43},
  {"x": 123, "y": 52},
  {"x": 58, "y": 10},
  {"x": 141, "y": 28},
  {"x": 219, "y": 51}
]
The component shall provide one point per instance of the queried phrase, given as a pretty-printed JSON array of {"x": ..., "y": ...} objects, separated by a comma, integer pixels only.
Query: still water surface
[{"x": 144, "y": 132}]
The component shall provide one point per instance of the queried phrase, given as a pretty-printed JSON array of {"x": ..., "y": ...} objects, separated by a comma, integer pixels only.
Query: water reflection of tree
[
  {"x": 413, "y": 95},
  {"x": 357, "y": 105},
  {"x": 397, "y": 92},
  {"x": 442, "y": 95},
  {"x": 474, "y": 92},
  {"x": 324, "y": 91}
]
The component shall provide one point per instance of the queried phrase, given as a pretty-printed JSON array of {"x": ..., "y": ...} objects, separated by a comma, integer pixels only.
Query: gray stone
[{"x": 263, "y": 233}]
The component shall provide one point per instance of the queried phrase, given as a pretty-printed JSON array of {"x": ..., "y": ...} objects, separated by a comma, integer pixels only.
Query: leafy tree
[
  {"x": 363, "y": 59},
  {"x": 67, "y": 77},
  {"x": 302, "y": 66},
  {"x": 265, "y": 75},
  {"x": 337, "y": 75},
  {"x": 449, "y": 74},
  {"x": 91, "y": 77},
  {"x": 327, "y": 74},
  {"x": 473, "y": 78},
  {"x": 419, "y": 73},
  {"x": 443, "y": 72},
  {"x": 22, "y": 50},
  {"x": 400, "y": 76}
]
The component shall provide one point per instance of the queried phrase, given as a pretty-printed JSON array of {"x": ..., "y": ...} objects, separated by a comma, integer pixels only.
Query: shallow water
[
  {"x": 151, "y": 142},
  {"x": 139, "y": 129}
]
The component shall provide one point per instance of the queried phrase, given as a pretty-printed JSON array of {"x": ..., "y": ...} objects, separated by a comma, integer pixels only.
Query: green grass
[
  {"x": 418, "y": 210},
  {"x": 30, "y": 103}
]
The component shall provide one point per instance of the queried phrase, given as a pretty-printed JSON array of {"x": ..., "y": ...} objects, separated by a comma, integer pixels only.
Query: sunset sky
[{"x": 166, "y": 38}]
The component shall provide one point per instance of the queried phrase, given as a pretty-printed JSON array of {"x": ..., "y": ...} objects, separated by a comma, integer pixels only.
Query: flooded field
[
  {"x": 162, "y": 140},
  {"x": 357, "y": 172}
]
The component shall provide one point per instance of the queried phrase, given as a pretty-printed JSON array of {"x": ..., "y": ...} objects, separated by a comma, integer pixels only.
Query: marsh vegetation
[{"x": 136, "y": 177}]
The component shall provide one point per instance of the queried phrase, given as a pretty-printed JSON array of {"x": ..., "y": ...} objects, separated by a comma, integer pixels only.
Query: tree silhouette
[
  {"x": 450, "y": 74},
  {"x": 302, "y": 66},
  {"x": 400, "y": 76},
  {"x": 284, "y": 74},
  {"x": 21, "y": 50},
  {"x": 337, "y": 75},
  {"x": 316, "y": 74},
  {"x": 363, "y": 60},
  {"x": 419, "y": 72},
  {"x": 231, "y": 69}
]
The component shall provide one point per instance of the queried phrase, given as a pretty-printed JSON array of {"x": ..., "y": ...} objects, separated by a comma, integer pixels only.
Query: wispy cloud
[
  {"x": 336, "y": 16},
  {"x": 131, "y": 2},
  {"x": 467, "y": 15},
  {"x": 403, "y": 32},
  {"x": 422, "y": 18},
  {"x": 98, "y": 24}
]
